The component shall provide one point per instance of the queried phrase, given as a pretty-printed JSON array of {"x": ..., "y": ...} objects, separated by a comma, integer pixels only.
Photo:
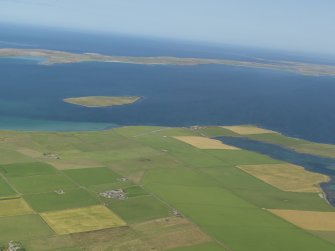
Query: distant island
[
  {"x": 102, "y": 101},
  {"x": 61, "y": 57}
]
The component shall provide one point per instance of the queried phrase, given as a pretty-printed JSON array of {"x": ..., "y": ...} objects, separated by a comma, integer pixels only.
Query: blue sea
[{"x": 31, "y": 94}]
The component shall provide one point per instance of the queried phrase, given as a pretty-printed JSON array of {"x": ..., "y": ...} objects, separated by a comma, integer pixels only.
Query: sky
[{"x": 296, "y": 25}]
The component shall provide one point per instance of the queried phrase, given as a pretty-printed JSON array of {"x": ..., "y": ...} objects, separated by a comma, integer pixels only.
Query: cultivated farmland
[{"x": 151, "y": 188}]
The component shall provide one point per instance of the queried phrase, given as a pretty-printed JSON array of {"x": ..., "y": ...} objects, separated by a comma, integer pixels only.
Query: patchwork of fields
[{"x": 155, "y": 188}]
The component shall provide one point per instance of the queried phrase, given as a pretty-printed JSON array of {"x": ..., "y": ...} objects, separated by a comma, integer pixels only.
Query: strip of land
[
  {"x": 102, "y": 101},
  {"x": 272, "y": 137},
  {"x": 61, "y": 57},
  {"x": 247, "y": 129},
  {"x": 205, "y": 143}
]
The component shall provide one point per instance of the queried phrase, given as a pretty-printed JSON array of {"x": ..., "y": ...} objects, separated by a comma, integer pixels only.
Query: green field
[
  {"x": 135, "y": 191},
  {"x": 41, "y": 183},
  {"x": 5, "y": 189},
  {"x": 23, "y": 227},
  {"x": 52, "y": 243},
  {"x": 220, "y": 207},
  {"x": 26, "y": 169},
  {"x": 140, "y": 209},
  {"x": 202, "y": 247},
  {"x": 52, "y": 201},
  {"x": 9, "y": 156},
  {"x": 92, "y": 176}
]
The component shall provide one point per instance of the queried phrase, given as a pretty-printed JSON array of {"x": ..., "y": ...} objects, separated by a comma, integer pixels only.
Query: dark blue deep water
[{"x": 31, "y": 95}]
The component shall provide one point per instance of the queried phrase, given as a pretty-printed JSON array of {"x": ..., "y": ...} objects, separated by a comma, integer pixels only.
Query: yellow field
[
  {"x": 247, "y": 130},
  {"x": 181, "y": 233},
  {"x": 73, "y": 164},
  {"x": 287, "y": 177},
  {"x": 82, "y": 219},
  {"x": 11, "y": 207},
  {"x": 205, "y": 143},
  {"x": 30, "y": 152},
  {"x": 159, "y": 234},
  {"x": 309, "y": 220}
]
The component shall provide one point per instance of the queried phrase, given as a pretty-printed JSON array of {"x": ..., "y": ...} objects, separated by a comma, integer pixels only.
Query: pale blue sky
[{"x": 307, "y": 25}]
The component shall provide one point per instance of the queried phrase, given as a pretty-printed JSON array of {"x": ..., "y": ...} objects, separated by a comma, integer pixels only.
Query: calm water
[
  {"x": 309, "y": 162},
  {"x": 31, "y": 95}
]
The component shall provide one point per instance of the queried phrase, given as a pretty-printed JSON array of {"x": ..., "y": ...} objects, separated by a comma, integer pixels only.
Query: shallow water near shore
[
  {"x": 309, "y": 162},
  {"x": 30, "y": 125}
]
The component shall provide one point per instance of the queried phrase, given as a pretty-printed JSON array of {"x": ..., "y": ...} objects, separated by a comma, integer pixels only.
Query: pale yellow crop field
[
  {"x": 309, "y": 220},
  {"x": 160, "y": 234},
  {"x": 82, "y": 219},
  {"x": 205, "y": 143},
  {"x": 12, "y": 207},
  {"x": 287, "y": 177},
  {"x": 30, "y": 152},
  {"x": 247, "y": 130},
  {"x": 73, "y": 164}
]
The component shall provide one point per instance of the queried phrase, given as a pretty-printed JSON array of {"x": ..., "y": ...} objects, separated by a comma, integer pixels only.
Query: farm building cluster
[
  {"x": 117, "y": 194},
  {"x": 13, "y": 246}
]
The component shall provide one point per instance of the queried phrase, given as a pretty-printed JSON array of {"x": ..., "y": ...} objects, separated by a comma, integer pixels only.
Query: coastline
[
  {"x": 311, "y": 163},
  {"x": 62, "y": 57},
  {"x": 39, "y": 125}
]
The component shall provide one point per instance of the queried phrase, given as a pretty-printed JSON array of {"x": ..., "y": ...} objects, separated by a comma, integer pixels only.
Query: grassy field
[
  {"x": 140, "y": 209},
  {"x": 52, "y": 201},
  {"x": 201, "y": 247},
  {"x": 135, "y": 191},
  {"x": 92, "y": 176},
  {"x": 52, "y": 243},
  {"x": 26, "y": 169},
  {"x": 41, "y": 183},
  {"x": 209, "y": 194},
  {"x": 221, "y": 207},
  {"x": 5, "y": 189},
  {"x": 23, "y": 227},
  {"x": 327, "y": 235},
  {"x": 214, "y": 131}
]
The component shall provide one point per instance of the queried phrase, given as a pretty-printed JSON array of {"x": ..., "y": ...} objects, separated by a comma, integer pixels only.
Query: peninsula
[
  {"x": 102, "y": 101},
  {"x": 61, "y": 57}
]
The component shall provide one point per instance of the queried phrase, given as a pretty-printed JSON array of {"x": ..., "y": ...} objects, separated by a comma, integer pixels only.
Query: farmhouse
[
  {"x": 118, "y": 194},
  {"x": 15, "y": 246}
]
